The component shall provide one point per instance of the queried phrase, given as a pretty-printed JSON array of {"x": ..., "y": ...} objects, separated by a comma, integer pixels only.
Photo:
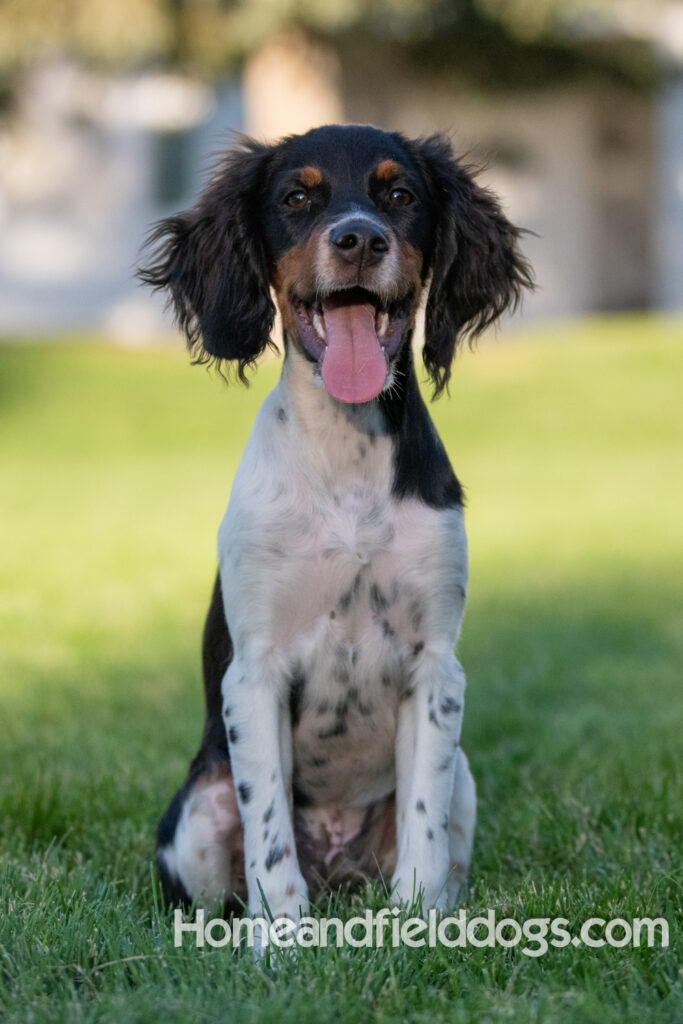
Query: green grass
[{"x": 115, "y": 467}]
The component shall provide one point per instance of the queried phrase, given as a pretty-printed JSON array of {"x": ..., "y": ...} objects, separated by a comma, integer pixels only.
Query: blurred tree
[{"x": 207, "y": 36}]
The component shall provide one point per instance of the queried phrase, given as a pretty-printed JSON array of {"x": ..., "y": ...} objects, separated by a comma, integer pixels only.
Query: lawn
[{"x": 115, "y": 467}]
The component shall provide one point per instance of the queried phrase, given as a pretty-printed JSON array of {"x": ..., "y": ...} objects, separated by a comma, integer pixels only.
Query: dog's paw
[
  {"x": 287, "y": 900},
  {"x": 279, "y": 916},
  {"x": 418, "y": 892}
]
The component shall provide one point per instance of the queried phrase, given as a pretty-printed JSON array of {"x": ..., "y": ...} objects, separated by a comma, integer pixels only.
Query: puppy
[{"x": 334, "y": 700}]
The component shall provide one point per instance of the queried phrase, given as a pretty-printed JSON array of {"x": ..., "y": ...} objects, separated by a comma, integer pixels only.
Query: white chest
[{"x": 344, "y": 585}]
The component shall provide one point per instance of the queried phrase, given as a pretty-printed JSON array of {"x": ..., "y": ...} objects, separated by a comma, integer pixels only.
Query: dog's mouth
[{"x": 352, "y": 334}]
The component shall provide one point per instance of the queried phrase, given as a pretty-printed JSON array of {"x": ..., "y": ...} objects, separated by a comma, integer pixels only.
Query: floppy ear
[
  {"x": 212, "y": 262},
  {"x": 477, "y": 269}
]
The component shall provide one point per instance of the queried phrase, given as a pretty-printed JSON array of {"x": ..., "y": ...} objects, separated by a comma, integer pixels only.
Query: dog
[{"x": 334, "y": 699}]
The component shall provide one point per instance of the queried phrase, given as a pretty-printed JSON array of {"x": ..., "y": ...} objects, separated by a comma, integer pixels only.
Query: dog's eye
[
  {"x": 401, "y": 196},
  {"x": 297, "y": 199}
]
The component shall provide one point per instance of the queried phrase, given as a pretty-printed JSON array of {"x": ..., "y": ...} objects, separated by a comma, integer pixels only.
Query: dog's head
[{"x": 346, "y": 224}]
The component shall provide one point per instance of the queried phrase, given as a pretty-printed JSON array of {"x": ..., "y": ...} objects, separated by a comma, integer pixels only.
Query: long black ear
[
  {"x": 213, "y": 263},
  {"x": 477, "y": 269}
]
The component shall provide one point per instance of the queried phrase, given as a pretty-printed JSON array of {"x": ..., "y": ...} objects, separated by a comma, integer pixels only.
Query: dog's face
[
  {"x": 346, "y": 224},
  {"x": 348, "y": 231}
]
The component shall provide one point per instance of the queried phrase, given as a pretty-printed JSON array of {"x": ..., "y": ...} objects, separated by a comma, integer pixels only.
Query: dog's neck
[
  {"x": 344, "y": 441},
  {"x": 389, "y": 445}
]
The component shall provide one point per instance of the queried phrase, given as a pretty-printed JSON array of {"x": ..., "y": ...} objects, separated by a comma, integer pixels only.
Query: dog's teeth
[
  {"x": 319, "y": 325},
  {"x": 382, "y": 324}
]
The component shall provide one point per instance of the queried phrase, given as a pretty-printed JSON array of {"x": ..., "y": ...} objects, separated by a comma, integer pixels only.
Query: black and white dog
[{"x": 334, "y": 697}]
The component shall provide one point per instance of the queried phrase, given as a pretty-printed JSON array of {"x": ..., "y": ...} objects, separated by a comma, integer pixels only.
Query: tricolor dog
[{"x": 334, "y": 699}]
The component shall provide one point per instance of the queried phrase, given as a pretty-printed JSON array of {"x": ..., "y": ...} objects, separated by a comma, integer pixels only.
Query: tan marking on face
[
  {"x": 310, "y": 176},
  {"x": 386, "y": 170},
  {"x": 411, "y": 264},
  {"x": 295, "y": 274}
]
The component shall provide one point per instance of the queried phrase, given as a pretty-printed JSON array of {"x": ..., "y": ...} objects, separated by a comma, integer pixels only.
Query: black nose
[{"x": 357, "y": 239}]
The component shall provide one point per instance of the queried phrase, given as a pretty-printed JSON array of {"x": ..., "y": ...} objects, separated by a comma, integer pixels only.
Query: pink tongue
[{"x": 354, "y": 366}]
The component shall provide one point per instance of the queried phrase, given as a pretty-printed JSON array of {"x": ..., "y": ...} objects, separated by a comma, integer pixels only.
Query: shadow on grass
[
  {"x": 573, "y": 712},
  {"x": 572, "y": 724}
]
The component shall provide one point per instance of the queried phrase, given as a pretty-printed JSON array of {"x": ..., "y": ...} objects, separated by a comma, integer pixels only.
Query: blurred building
[{"x": 88, "y": 161}]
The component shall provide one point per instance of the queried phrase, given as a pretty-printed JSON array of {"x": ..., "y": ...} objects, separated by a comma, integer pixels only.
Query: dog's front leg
[
  {"x": 428, "y": 737},
  {"x": 255, "y": 709}
]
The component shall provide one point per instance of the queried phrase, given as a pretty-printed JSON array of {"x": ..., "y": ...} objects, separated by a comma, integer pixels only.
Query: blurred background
[{"x": 110, "y": 109}]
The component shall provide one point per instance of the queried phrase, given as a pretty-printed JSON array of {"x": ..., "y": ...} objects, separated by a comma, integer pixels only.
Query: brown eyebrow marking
[
  {"x": 387, "y": 169},
  {"x": 310, "y": 176}
]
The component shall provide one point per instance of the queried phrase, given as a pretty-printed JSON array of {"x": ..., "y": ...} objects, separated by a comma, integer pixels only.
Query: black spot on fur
[
  {"x": 300, "y": 798},
  {"x": 444, "y": 823},
  {"x": 281, "y": 415},
  {"x": 387, "y": 680},
  {"x": 268, "y": 813},
  {"x": 351, "y": 595},
  {"x": 244, "y": 790},
  {"x": 449, "y": 706},
  {"x": 433, "y": 719},
  {"x": 296, "y": 693},
  {"x": 387, "y": 629},
  {"x": 418, "y": 648},
  {"x": 362, "y": 449},
  {"x": 430, "y": 834},
  {"x": 318, "y": 762},
  {"x": 416, "y": 615},
  {"x": 407, "y": 693},
  {"x": 338, "y": 728},
  {"x": 420, "y": 807},
  {"x": 378, "y": 601},
  {"x": 275, "y": 855},
  {"x": 233, "y": 734}
]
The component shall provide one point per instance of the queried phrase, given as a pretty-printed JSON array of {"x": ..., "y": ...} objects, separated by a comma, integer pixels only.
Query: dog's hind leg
[
  {"x": 199, "y": 841},
  {"x": 461, "y": 821}
]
